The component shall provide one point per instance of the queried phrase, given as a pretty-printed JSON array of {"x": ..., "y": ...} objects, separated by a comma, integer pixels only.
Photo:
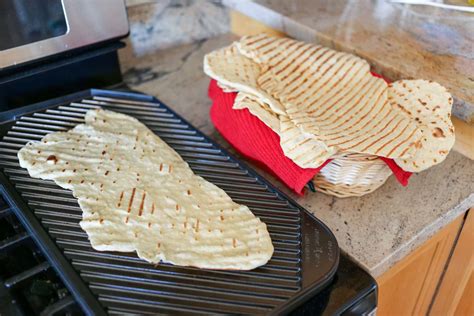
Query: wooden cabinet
[
  {"x": 466, "y": 305},
  {"x": 456, "y": 291},
  {"x": 436, "y": 278}
]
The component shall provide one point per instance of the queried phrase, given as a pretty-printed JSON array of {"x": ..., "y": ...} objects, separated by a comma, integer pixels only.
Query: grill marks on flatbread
[
  {"x": 333, "y": 96},
  {"x": 428, "y": 104},
  {"x": 332, "y": 104},
  {"x": 137, "y": 194},
  {"x": 302, "y": 149},
  {"x": 305, "y": 150},
  {"x": 235, "y": 71},
  {"x": 257, "y": 108}
]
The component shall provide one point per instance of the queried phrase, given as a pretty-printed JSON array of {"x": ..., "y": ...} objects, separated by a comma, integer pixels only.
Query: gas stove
[{"x": 48, "y": 80}]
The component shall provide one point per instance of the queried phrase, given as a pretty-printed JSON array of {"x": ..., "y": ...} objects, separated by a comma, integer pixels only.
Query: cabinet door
[
  {"x": 466, "y": 303},
  {"x": 408, "y": 287},
  {"x": 455, "y": 295}
]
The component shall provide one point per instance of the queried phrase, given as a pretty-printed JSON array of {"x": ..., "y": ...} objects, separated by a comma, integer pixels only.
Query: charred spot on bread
[{"x": 438, "y": 132}]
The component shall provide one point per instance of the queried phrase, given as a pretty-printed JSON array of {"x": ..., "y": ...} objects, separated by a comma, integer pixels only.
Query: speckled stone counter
[
  {"x": 161, "y": 24},
  {"x": 376, "y": 230},
  {"x": 400, "y": 41}
]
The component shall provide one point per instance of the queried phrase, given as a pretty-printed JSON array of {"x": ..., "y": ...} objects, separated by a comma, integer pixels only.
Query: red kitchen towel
[
  {"x": 401, "y": 175},
  {"x": 255, "y": 140}
]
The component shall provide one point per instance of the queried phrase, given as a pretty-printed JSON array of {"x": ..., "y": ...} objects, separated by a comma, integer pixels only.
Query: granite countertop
[
  {"x": 400, "y": 41},
  {"x": 376, "y": 230}
]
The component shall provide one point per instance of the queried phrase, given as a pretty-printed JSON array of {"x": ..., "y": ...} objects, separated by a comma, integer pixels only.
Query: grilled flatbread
[
  {"x": 303, "y": 149},
  {"x": 428, "y": 104},
  {"x": 226, "y": 88},
  {"x": 236, "y": 72},
  {"x": 259, "y": 109},
  {"x": 137, "y": 194},
  {"x": 332, "y": 96},
  {"x": 328, "y": 103}
]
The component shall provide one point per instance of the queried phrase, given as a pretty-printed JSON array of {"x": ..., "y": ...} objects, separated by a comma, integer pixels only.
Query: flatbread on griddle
[{"x": 137, "y": 194}]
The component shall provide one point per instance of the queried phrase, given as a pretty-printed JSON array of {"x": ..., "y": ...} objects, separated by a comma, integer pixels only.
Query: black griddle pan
[{"x": 306, "y": 252}]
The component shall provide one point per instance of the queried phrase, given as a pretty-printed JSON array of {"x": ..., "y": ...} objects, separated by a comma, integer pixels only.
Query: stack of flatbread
[
  {"x": 324, "y": 103},
  {"x": 138, "y": 194}
]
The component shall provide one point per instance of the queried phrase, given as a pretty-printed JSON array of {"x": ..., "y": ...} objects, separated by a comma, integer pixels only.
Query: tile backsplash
[{"x": 162, "y": 24}]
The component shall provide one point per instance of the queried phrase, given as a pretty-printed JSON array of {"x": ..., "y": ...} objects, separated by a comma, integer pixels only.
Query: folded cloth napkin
[{"x": 255, "y": 140}]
